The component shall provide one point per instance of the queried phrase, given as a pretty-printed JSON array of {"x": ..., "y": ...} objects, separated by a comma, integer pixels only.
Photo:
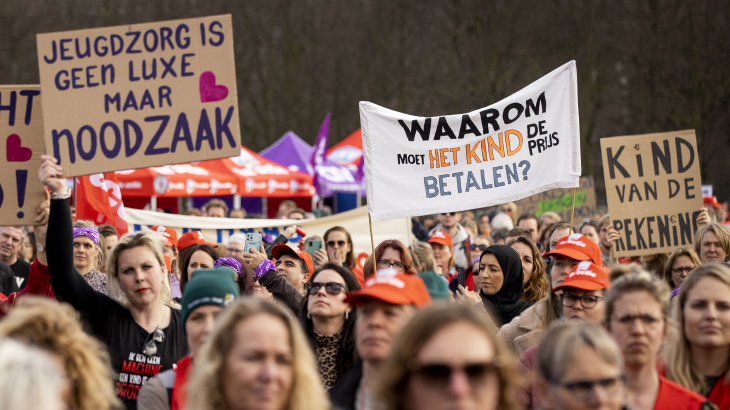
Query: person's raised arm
[
  {"x": 68, "y": 285},
  {"x": 275, "y": 283}
]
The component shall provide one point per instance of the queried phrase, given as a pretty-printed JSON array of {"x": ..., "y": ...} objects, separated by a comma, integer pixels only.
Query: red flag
[{"x": 100, "y": 201}]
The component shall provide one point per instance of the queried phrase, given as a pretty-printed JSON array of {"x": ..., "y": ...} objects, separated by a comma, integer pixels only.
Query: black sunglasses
[
  {"x": 333, "y": 288},
  {"x": 449, "y": 213},
  {"x": 338, "y": 243},
  {"x": 481, "y": 247},
  {"x": 440, "y": 374},
  {"x": 150, "y": 344}
]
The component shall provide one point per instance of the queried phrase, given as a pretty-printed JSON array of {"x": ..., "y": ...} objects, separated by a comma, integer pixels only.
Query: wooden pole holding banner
[
  {"x": 572, "y": 210},
  {"x": 372, "y": 243}
]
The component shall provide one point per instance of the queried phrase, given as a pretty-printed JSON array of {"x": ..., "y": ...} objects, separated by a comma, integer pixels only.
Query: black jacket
[
  {"x": 8, "y": 284},
  {"x": 343, "y": 394}
]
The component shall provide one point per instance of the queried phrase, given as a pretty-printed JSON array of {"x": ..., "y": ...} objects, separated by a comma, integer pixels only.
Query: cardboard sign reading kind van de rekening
[{"x": 141, "y": 95}]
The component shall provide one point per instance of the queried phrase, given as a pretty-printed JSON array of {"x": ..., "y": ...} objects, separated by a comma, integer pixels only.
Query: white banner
[
  {"x": 518, "y": 147},
  {"x": 217, "y": 230}
]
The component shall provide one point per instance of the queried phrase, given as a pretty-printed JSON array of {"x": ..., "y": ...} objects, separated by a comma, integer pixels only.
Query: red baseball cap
[
  {"x": 168, "y": 233},
  {"x": 192, "y": 238},
  {"x": 394, "y": 288},
  {"x": 168, "y": 263},
  {"x": 441, "y": 238},
  {"x": 277, "y": 250},
  {"x": 712, "y": 200},
  {"x": 578, "y": 247},
  {"x": 586, "y": 276}
]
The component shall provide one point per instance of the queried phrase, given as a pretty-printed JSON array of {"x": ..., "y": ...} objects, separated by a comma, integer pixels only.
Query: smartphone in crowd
[
  {"x": 313, "y": 245},
  {"x": 253, "y": 241}
]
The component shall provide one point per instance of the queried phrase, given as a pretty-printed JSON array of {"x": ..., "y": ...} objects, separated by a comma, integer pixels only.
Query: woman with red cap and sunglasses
[{"x": 329, "y": 322}]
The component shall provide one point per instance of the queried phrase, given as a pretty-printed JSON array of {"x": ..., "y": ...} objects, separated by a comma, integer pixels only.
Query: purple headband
[
  {"x": 230, "y": 263},
  {"x": 90, "y": 233}
]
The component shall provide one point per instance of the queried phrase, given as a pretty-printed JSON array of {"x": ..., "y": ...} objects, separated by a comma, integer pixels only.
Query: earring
[
  {"x": 347, "y": 315},
  {"x": 309, "y": 315}
]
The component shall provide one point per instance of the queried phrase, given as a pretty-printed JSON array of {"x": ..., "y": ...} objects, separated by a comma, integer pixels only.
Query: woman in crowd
[
  {"x": 654, "y": 263},
  {"x": 144, "y": 336},
  {"x": 329, "y": 322},
  {"x": 535, "y": 279},
  {"x": 257, "y": 357},
  {"x": 443, "y": 254},
  {"x": 579, "y": 367},
  {"x": 53, "y": 327},
  {"x": 589, "y": 230},
  {"x": 425, "y": 371},
  {"x": 500, "y": 271},
  {"x": 510, "y": 209},
  {"x": 241, "y": 273},
  {"x": 110, "y": 235},
  {"x": 699, "y": 358},
  {"x": 422, "y": 255},
  {"x": 27, "y": 249},
  {"x": 340, "y": 249},
  {"x": 30, "y": 378},
  {"x": 192, "y": 258},
  {"x": 206, "y": 295},
  {"x": 391, "y": 253},
  {"x": 89, "y": 254},
  {"x": 679, "y": 266},
  {"x": 636, "y": 316}
]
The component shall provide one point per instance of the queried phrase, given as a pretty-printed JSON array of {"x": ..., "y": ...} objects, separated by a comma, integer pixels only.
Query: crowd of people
[{"x": 492, "y": 310}]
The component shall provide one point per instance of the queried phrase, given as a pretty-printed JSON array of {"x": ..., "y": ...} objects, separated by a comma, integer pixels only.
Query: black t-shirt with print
[
  {"x": 21, "y": 270},
  {"x": 111, "y": 323}
]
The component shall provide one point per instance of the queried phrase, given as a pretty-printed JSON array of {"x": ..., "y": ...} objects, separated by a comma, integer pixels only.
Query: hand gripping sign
[
  {"x": 520, "y": 146},
  {"x": 21, "y": 147},
  {"x": 141, "y": 95}
]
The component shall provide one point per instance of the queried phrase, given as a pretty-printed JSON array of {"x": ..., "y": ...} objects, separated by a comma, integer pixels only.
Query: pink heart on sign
[
  {"x": 16, "y": 152},
  {"x": 209, "y": 92}
]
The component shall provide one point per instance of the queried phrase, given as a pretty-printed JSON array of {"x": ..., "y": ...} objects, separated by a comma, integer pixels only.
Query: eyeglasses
[
  {"x": 646, "y": 320},
  {"x": 150, "y": 344},
  {"x": 331, "y": 244},
  {"x": 440, "y": 374},
  {"x": 583, "y": 389},
  {"x": 383, "y": 264},
  {"x": 474, "y": 247},
  {"x": 333, "y": 288},
  {"x": 680, "y": 270},
  {"x": 587, "y": 301},
  {"x": 507, "y": 210}
]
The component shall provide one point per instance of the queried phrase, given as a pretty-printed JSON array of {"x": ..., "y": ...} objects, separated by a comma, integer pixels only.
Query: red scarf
[{"x": 179, "y": 396}]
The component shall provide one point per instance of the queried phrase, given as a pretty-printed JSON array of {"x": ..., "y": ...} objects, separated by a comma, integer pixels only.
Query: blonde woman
[
  {"x": 424, "y": 371},
  {"x": 53, "y": 327},
  {"x": 257, "y": 357},
  {"x": 144, "y": 336},
  {"x": 699, "y": 358},
  {"x": 30, "y": 379},
  {"x": 423, "y": 259},
  {"x": 89, "y": 255}
]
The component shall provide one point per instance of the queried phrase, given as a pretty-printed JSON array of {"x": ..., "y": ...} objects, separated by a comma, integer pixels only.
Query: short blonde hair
[
  {"x": 681, "y": 369},
  {"x": 722, "y": 233},
  {"x": 396, "y": 371},
  {"x": 148, "y": 239},
  {"x": 205, "y": 390},
  {"x": 55, "y": 327},
  {"x": 29, "y": 379},
  {"x": 638, "y": 280}
]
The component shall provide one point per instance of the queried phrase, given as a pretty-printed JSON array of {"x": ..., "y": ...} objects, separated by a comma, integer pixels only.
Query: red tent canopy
[
  {"x": 175, "y": 181},
  {"x": 260, "y": 177},
  {"x": 348, "y": 151}
]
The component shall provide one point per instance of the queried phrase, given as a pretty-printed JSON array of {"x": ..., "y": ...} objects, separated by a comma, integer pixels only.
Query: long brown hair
[
  {"x": 187, "y": 253},
  {"x": 419, "y": 330},
  {"x": 350, "y": 259},
  {"x": 539, "y": 285},
  {"x": 405, "y": 255}
]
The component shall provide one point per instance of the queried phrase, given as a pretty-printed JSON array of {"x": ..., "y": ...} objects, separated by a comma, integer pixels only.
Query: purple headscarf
[
  {"x": 230, "y": 263},
  {"x": 90, "y": 233}
]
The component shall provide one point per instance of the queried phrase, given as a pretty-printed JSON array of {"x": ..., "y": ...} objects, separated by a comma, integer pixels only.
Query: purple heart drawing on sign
[
  {"x": 15, "y": 152},
  {"x": 209, "y": 92}
]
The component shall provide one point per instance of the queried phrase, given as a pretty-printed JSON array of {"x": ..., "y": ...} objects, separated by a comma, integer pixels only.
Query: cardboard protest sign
[
  {"x": 21, "y": 134},
  {"x": 142, "y": 95},
  {"x": 653, "y": 190},
  {"x": 525, "y": 144},
  {"x": 560, "y": 201}
]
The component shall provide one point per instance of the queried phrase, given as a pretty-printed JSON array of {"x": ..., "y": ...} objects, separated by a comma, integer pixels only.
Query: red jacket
[{"x": 673, "y": 396}]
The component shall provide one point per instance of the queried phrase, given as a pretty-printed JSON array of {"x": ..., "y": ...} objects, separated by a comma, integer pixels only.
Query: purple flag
[{"x": 320, "y": 150}]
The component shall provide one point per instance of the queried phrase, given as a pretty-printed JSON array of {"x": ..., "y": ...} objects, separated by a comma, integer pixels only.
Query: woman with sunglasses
[
  {"x": 329, "y": 322},
  {"x": 679, "y": 266},
  {"x": 144, "y": 335},
  {"x": 425, "y": 371},
  {"x": 699, "y": 358},
  {"x": 341, "y": 251}
]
